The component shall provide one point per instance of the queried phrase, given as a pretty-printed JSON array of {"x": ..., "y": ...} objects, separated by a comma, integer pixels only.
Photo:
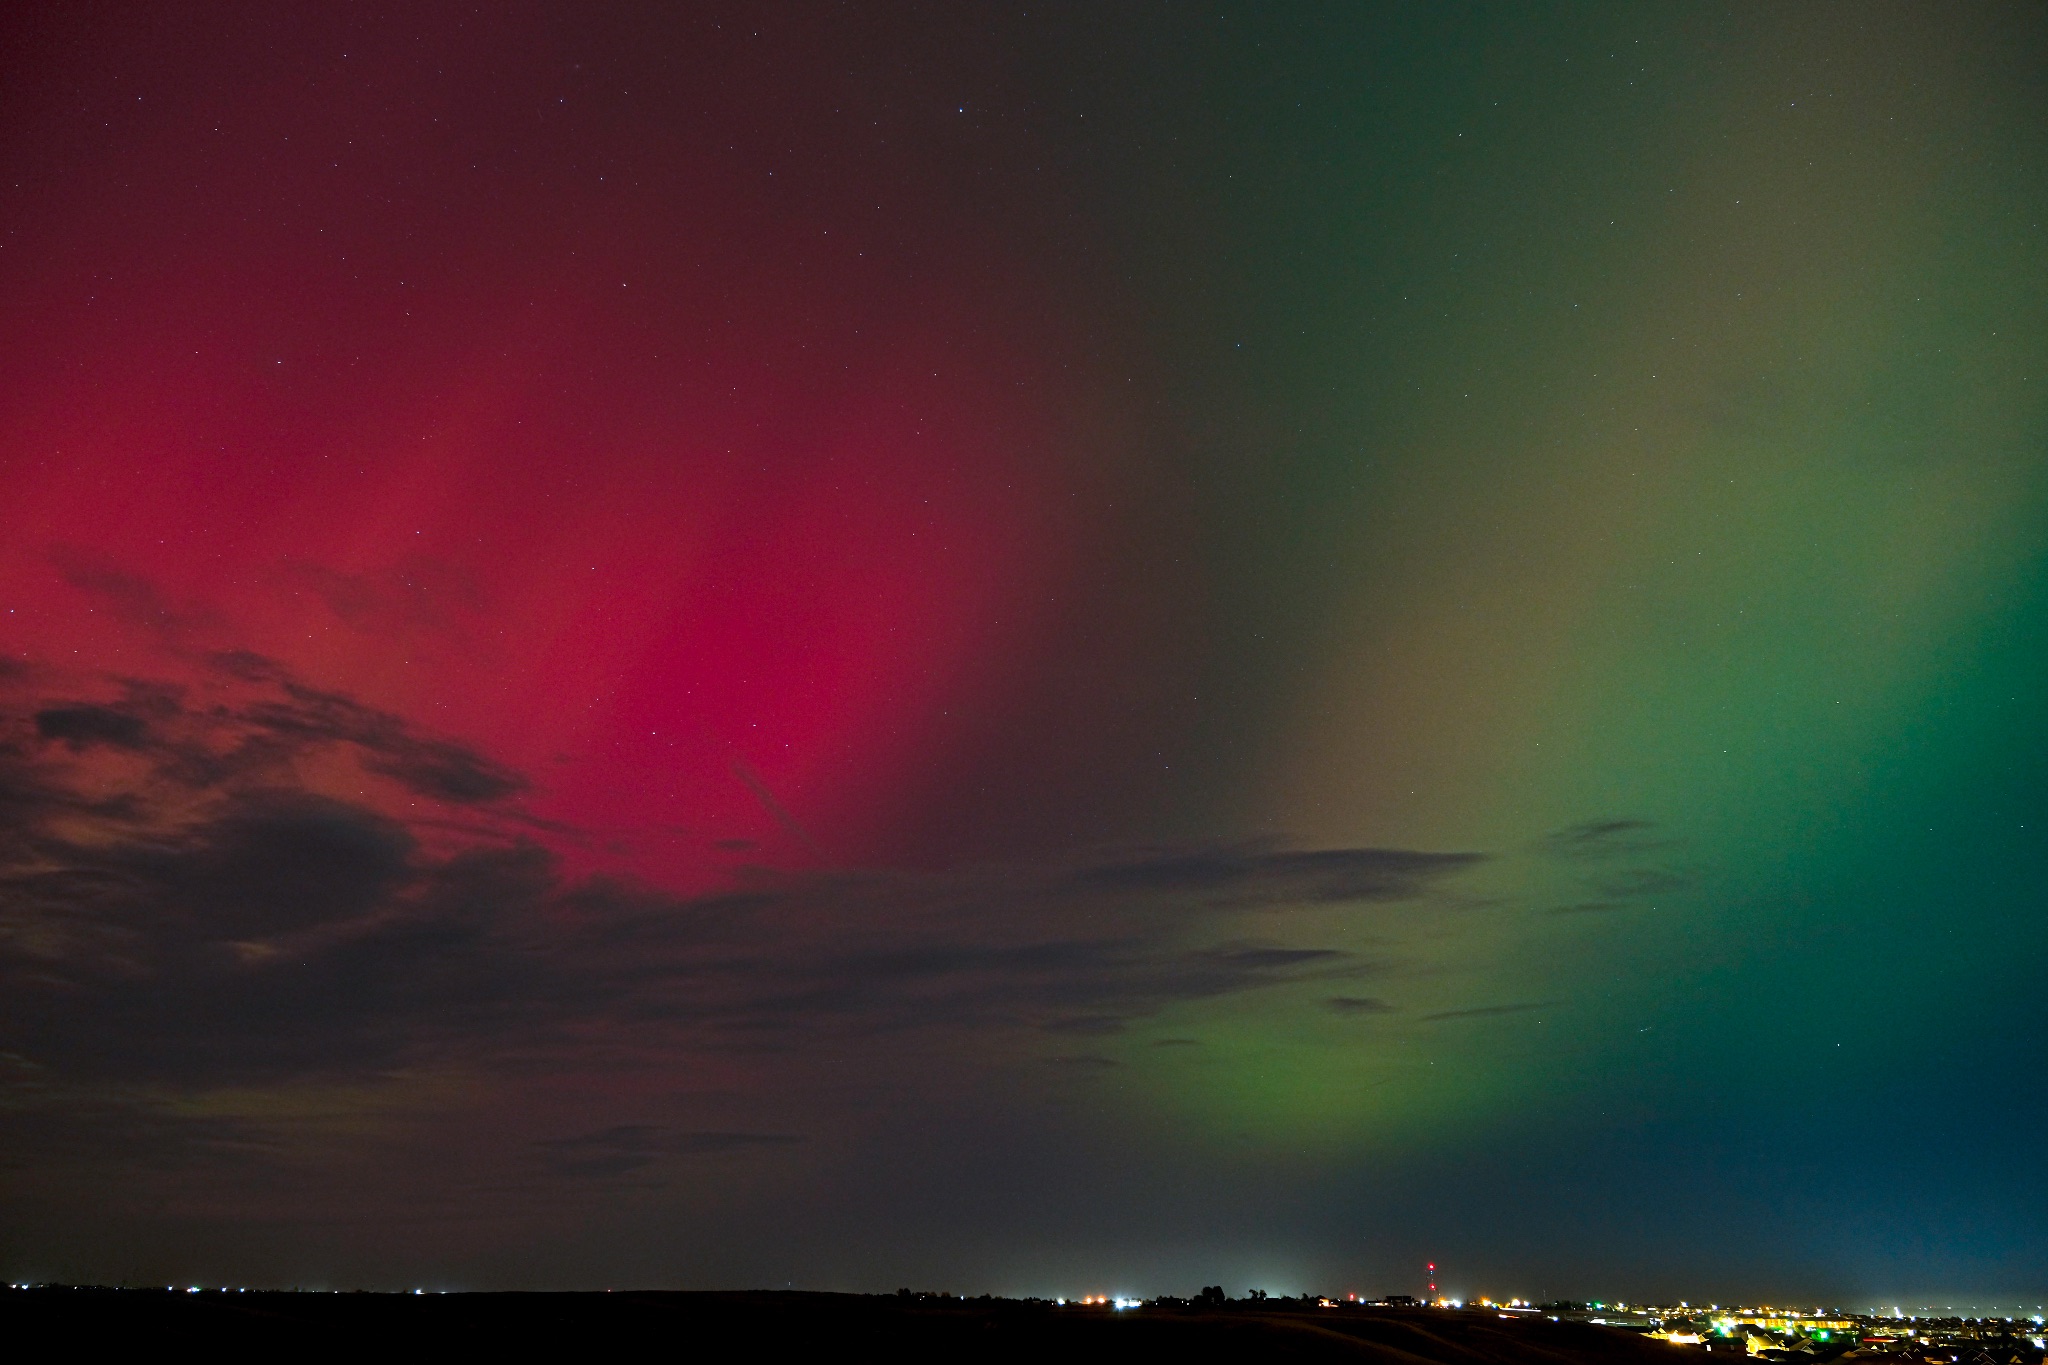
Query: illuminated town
[
  {"x": 1815, "y": 1334},
  {"x": 1767, "y": 1331}
]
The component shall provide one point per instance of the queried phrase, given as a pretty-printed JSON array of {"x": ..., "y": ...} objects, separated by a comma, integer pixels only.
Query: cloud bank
[{"x": 246, "y": 881}]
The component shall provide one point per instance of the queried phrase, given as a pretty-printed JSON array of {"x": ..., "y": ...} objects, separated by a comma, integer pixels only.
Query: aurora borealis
[{"x": 1046, "y": 649}]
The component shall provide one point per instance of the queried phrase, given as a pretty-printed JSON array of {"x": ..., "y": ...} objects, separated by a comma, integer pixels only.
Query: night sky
[{"x": 1043, "y": 649}]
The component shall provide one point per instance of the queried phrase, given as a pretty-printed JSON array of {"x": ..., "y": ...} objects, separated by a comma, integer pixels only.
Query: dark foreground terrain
[{"x": 824, "y": 1327}]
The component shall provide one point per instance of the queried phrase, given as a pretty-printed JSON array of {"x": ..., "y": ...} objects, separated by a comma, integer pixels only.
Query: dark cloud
[
  {"x": 437, "y": 769},
  {"x": 1490, "y": 1011},
  {"x": 449, "y": 772},
  {"x": 1253, "y": 874},
  {"x": 1357, "y": 1004},
  {"x": 626, "y": 1148},
  {"x": 1600, "y": 839},
  {"x": 1589, "y": 908},
  {"x": 1089, "y": 1025},
  {"x": 274, "y": 863},
  {"x": 262, "y": 726},
  {"x": 80, "y": 726},
  {"x": 246, "y": 949},
  {"x": 248, "y": 666}
]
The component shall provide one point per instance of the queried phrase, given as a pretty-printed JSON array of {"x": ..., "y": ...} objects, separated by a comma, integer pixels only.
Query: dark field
[{"x": 778, "y": 1325}]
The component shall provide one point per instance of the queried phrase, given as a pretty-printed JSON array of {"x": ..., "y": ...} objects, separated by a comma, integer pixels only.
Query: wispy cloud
[
  {"x": 1615, "y": 837},
  {"x": 1617, "y": 864},
  {"x": 1358, "y": 1004},
  {"x": 1490, "y": 1011}
]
